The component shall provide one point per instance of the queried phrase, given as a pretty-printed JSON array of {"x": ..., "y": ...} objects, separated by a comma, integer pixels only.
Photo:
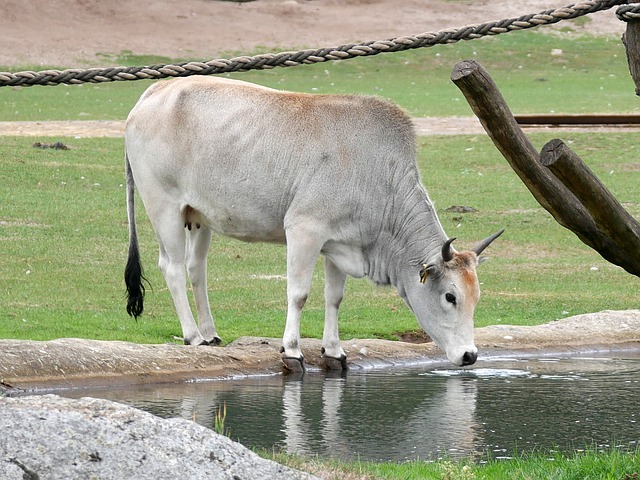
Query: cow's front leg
[
  {"x": 333, "y": 355},
  {"x": 303, "y": 249}
]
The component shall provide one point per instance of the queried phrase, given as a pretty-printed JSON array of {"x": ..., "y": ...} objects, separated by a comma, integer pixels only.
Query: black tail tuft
[{"x": 133, "y": 279}]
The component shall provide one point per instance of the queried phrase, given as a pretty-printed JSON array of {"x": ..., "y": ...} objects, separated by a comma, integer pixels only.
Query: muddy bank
[{"x": 66, "y": 363}]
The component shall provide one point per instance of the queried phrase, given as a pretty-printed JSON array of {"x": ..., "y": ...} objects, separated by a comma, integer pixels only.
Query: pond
[{"x": 496, "y": 408}]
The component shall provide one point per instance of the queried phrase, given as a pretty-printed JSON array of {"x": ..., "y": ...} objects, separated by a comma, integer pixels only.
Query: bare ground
[
  {"x": 78, "y": 33},
  {"x": 424, "y": 126}
]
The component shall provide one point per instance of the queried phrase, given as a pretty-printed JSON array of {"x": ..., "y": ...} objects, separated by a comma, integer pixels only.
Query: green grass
[
  {"x": 63, "y": 229},
  {"x": 590, "y": 76},
  {"x": 63, "y": 238},
  {"x": 589, "y": 464}
]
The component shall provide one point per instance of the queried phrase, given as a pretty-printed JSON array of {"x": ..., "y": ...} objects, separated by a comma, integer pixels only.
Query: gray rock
[{"x": 50, "y": 437}]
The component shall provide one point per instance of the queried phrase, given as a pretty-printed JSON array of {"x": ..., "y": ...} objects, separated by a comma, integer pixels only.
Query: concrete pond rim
[{"x": 33, "y": 366}]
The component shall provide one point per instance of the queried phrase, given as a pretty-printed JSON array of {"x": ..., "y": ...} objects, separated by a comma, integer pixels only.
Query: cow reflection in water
[
  {"x": 356, "y": 423},
  {"x": 348, "y": 416}
]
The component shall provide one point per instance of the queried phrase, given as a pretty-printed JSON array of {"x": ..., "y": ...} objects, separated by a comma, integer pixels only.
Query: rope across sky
[{"x": 343, "y": 52}]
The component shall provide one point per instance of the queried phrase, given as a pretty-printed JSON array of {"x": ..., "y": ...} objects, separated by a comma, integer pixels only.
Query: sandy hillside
[{"x": 80, "y": 32}]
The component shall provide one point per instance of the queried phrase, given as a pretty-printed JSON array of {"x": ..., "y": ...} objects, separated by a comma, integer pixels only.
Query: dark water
[{"x": 496, "y": 408}]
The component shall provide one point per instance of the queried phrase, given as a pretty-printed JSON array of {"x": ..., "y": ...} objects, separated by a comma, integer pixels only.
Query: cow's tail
[{"x": 133, "y": 275}]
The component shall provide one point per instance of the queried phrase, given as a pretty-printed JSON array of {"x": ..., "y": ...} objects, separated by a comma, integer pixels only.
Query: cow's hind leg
[
  {"x": 169, "y": 227},
  {"x": 198, "y": 241},
  {"x": 333, "y": 355},
  {"x": 303, "y": 248}
]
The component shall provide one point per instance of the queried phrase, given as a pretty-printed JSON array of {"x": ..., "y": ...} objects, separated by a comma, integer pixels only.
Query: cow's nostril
[{"x": 469, "y": 358}]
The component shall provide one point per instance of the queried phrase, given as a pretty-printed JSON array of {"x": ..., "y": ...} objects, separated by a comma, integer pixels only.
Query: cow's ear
[
  {"x": 428, "y": 270},
  {"x": 482, "y": 259}
]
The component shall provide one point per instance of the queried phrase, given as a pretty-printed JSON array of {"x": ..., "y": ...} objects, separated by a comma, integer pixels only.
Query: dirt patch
[
  {"x": 414, "y": 336},
  {"x": 89, "y": 32},
  {"x": 71, "y": 128},
  {"x": 115, "y": 128},
  {"x": 424, "y": 126},
  {"x": 69, "y": 363}
]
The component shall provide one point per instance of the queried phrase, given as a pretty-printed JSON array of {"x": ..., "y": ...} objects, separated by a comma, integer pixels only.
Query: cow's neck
[{"x": 411, "y": 235}]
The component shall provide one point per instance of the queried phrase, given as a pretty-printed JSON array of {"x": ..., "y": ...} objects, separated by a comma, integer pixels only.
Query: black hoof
[
  {"x": 333, "y": 363},
  {"x": 293, "y": 364},
  {"x": 215, "y": 342},
  {"x": 202, "y": 343}
]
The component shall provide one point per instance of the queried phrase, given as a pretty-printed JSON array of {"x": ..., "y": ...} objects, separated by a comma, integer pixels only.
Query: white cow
[{"x": 325, "y": 174}]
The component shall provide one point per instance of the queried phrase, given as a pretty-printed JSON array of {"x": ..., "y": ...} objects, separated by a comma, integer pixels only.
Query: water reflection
[
  {"x": 354, "y": 414},
  {"x": 496, "y": 408}
]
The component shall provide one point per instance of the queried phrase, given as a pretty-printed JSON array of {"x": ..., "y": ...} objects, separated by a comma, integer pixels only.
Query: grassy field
[
  {"x": 62, "y": 212},
  {"x": 64, "y": 240},
  {"x": 589, "y": 76}
]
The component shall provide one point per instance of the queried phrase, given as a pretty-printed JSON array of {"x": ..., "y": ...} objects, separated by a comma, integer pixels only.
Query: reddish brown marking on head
[{"x": 465, "y": 264}]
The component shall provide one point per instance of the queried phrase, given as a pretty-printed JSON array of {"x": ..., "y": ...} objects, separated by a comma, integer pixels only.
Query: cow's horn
[
  {"x": 478, "y": 249},
  {"x": 447, "y": 253}
]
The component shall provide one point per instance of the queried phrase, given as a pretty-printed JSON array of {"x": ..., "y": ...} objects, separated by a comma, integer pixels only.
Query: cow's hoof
[
  {"x": 333, "y": 363},
  {"x": 293, "y": 364},
  {"x": 214, "y": 342}
]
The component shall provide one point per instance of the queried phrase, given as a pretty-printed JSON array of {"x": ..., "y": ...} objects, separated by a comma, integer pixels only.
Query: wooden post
[
  {"x": 611, "y": 218},
  {"x": 563, "y": 196},
  {"x": 491, "y": 109},
  {"x": 605, "y": 209},
  {"x": 631, "y": 40}
]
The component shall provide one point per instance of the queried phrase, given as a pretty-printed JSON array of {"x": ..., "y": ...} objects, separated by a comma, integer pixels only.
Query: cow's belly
[{"x": 249, "y": 224}]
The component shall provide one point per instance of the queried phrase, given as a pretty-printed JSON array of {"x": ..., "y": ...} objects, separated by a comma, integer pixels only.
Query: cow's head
[{"x": 444, "y": 296}]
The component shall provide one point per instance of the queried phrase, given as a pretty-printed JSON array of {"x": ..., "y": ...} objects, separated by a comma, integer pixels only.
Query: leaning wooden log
[
  {"x": 611, "y": 217},
  {"x": 487, "y": 103},
  {"x": 491, "y": 109},
  {"x": 569, "y": 168},
  {"x": 631, "y": 40}
]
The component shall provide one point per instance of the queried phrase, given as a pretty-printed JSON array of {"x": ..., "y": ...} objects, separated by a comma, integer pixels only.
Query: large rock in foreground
[{"x": 51, "y": 437}]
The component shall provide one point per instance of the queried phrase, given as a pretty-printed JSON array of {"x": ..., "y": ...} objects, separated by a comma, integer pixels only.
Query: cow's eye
[{"x": 451, "y": 298}]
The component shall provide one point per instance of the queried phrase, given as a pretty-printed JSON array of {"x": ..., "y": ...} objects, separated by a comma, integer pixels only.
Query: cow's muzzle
[{"x": 469, "y": 358}]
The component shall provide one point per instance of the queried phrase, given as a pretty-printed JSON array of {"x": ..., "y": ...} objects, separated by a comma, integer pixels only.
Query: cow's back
[{"x": 248, "y": 157}]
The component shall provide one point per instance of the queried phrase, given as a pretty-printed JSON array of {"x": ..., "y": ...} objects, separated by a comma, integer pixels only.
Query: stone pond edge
[{"x": 27, "y": 365}]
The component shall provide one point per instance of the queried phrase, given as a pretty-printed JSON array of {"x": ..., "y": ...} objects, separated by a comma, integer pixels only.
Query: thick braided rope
[
  {"x": 289, "y": 59},
  {"x": 628, "y": 13}
]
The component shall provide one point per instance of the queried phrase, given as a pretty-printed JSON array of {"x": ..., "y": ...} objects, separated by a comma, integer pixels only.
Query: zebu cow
[{"x": 325, "y": 174}]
